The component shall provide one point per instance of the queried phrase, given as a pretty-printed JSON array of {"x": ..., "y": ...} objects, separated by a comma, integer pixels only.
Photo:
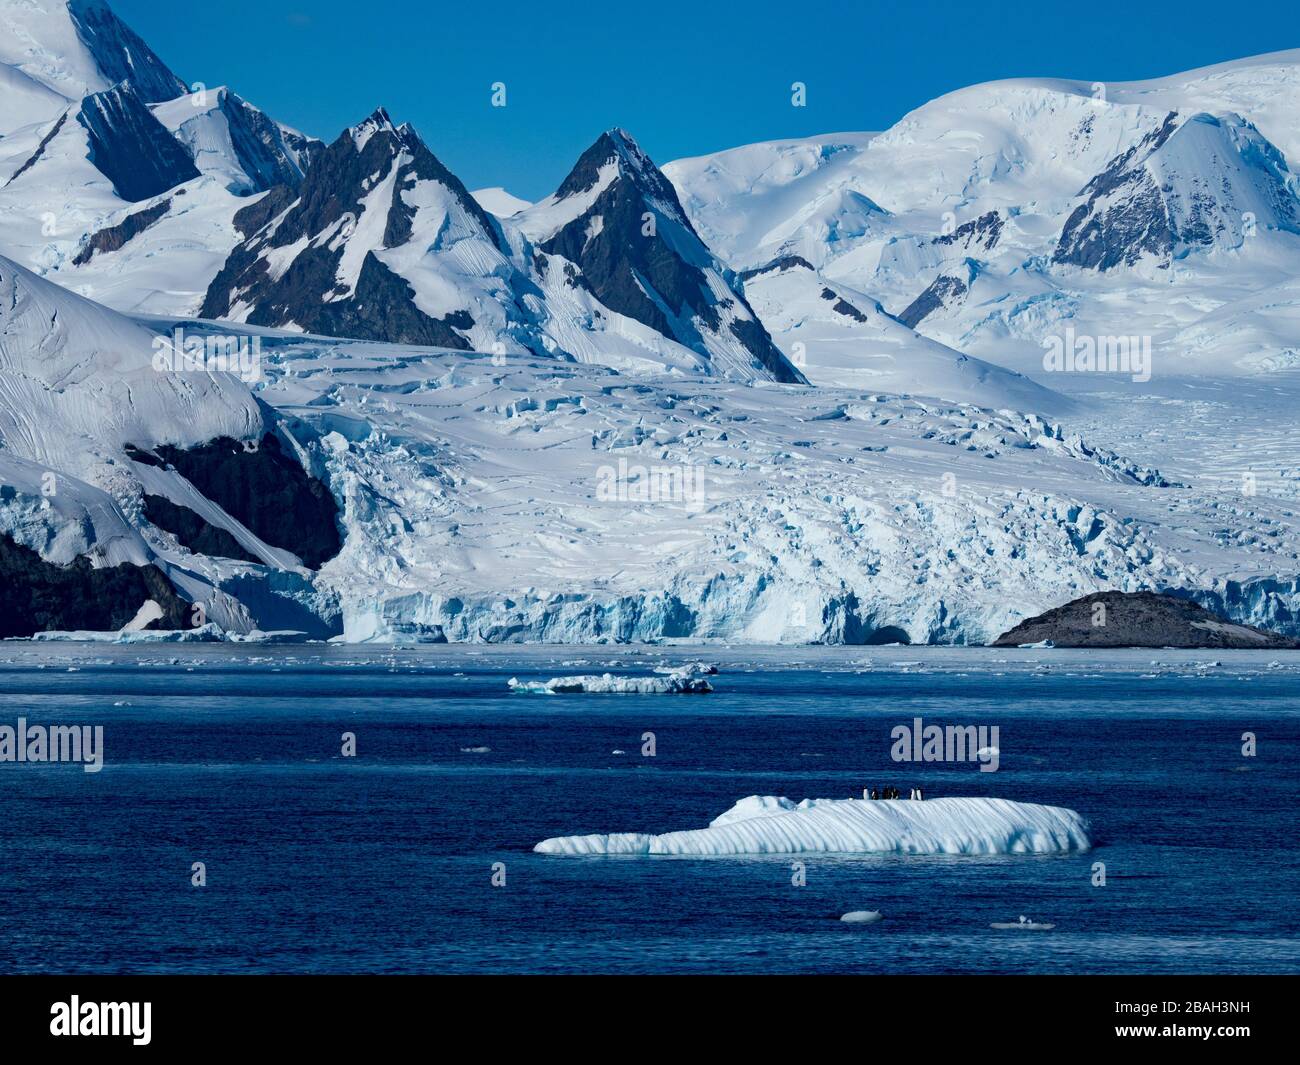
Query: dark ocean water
[{"x": 384, "y": 862}]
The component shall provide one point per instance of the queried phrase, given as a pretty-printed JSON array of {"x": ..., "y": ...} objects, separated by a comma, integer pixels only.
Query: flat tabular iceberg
[{"x": 767, "y": 824}]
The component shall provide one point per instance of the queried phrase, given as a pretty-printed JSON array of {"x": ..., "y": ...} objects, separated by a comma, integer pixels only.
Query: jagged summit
[
  {"x": 614, "y": 238},
  {"x": 379, "y": 242},
  {"x": 378, "y": 121}
]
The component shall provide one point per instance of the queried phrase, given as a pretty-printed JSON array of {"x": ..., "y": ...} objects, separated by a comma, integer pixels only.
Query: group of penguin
[{"x": 891, "y": 793}]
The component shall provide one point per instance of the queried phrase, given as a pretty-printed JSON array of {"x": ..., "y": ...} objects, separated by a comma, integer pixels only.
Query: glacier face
[
  {"x": 518, "y": 499},
  {"x": 777, "y": 825}
]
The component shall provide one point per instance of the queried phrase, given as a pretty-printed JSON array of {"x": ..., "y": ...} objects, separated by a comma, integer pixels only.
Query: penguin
[{"x": 919, "y": 797}]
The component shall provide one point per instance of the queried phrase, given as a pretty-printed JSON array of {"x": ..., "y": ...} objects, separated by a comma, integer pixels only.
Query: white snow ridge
[{"x": 766, "y": 824}]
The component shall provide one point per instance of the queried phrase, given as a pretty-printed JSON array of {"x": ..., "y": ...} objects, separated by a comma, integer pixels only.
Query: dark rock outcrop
[
  {"x": 1100, "y": 234},
  {"x": 1151, "y": 203},
  {"x": 842, "y": 306},
  {"x": 39, "y": 596},
  {"x": 264, "y": 489},
  {"x": 130, "y": 147},
  {"x": 114, "y": 237},
  {"x": 943, "y": 291},
  {"x": 121, "y": 55},
  {"x": 777, "y": 265},
  {"x": 193, "y": 531},
  {"x": 983, "y": 232},
  {"x": 37, "y": 155},
  {"x": 1139, "y": 619}
]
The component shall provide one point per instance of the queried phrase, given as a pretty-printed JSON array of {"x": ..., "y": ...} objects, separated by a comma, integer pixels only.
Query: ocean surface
[{"x": 384, "y": 862}]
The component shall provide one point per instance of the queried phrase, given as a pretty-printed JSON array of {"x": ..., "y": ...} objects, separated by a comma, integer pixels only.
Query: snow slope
[
  {"x": 78, "y": 386},
  {"x": 79, "y": 381},
  {"x": 76, "y": 48},
  {"x": 232, "y": 140},
  {"x": 975, "y": 191},
  {"x": 500, "y": 202},
  {"x": 771, "y": 825},
  {"x": 841, "y": 337}
]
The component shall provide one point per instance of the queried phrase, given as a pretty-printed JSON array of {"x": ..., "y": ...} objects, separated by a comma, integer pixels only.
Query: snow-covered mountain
[
  {"x": 379, "y": 242},
  {"x": 231, "y": 139},
  {"x": 977, "y": 218},
  {"x": 126, "y": 447},
  {"x": 790, "y": 392},
  {"x": 113, "y": 179},
  {"x": 624, "y": 270},
  {"x": 1195, "y": 183},
  {"x": 72, "y": 48},
  {"x": 840, "y": 337}
]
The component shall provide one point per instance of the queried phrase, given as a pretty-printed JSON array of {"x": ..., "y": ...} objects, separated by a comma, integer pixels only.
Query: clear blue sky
[{"x": 684, "y": 78}]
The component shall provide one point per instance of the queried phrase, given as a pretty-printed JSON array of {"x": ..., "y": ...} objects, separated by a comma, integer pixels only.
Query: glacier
[
  {"x": 930, "y": 484},
  {"x": 766, "y": 824}
]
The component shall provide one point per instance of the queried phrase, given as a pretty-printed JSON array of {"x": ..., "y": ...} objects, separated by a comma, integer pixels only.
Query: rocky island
[{"x": 1139, "y": 619}]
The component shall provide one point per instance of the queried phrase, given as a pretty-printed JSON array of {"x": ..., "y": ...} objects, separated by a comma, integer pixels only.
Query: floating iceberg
[
  {"x": 608, "y": 684},
  {"x": 863, "y": 917},
  {"x": 1023, "y": 925},
  {"x": 691, "y": 669},
  {"x": 767, "y": 824}
]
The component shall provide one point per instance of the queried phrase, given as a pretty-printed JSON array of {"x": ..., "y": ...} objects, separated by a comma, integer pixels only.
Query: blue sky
[{"x": 684, "y": 78}]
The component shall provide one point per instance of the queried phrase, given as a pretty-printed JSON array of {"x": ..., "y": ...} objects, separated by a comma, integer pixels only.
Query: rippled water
[{"x": 384, "y": 862}]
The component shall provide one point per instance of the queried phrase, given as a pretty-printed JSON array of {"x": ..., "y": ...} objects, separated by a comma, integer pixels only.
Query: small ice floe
[
  {"x": 862, "y": 917},
  {"x": 1024, "y": 924},
  {"x": 616, "y": 751},
  {"x": 691, "y": 669},
  {"x": 121, "y": 702},
  {"x": 988, "y": 752},
  {"x": 1041, "y": 645},
  {"x": 608, "y": 684},
  {"x": 476, "y": 750}
]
